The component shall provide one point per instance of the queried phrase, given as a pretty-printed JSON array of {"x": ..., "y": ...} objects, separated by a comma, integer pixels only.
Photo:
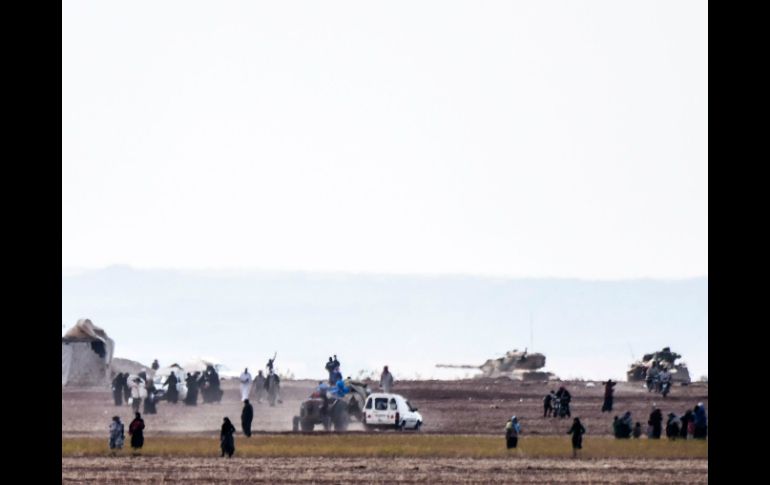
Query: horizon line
[{"x": 76, "y": 270}]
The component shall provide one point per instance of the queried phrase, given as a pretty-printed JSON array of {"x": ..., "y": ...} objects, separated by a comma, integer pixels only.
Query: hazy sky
[{"x": 538, "y": 138}]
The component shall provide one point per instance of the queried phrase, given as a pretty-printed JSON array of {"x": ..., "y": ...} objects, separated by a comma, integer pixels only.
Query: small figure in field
[
  {"x": 577, "y": 431},
  {"x": 117, "y": 435},
  {"x": 137, "y": 391},
  {"x": 624, "y": 426},
  {"x": 155, "y": 365},
  {"x": 136, "y": 430},
  {"x": 191, "y": 399},
  {"x": 172, "y": 393},
  {"x": 149, "y": 401},
  {"x": 126, "y": 387},
  {"x": 564, "y": 399},
  {"x": 673, "y": 425},
  {"x": 246, "y": 417},
  {"x": 117, "y": 389},
  {"x": 656, "y": 421},
  {"x": 271, "y": 363},
  {"x": 259, "y": 386},
  {"x": 386, "y": 380},
  {"x": 226, "y": 438},
  {"x": 637, "y": 430},
  {"x": 245, "y": 384},
  {"x": 548, "y": 403},
  {"x": 687, "y": 420},
  {"x": 700, "y": 422},
  {"x": 512, "y": 430},
  {"x": 609, "y": 389}
]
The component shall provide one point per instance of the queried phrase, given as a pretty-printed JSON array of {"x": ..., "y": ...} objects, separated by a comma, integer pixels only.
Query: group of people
[
  {"x": 658, "y": 379},
  {"x": 556, "y": 403},
  {"x": 513, "y": 430},
  {"x": 692, "y": 424},
  {"x": 118, "y": 436},
  {"x": 259, "y": 383}
]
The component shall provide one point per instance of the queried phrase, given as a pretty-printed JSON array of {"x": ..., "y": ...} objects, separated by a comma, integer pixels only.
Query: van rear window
[{"x": 381, "y": 404}]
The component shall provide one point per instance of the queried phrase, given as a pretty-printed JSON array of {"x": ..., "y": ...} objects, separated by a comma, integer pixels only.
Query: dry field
[
  {"x": 89, "y": 470},
  {"x": 461, "y": 440},
  {"x": 477, "y": 406}
]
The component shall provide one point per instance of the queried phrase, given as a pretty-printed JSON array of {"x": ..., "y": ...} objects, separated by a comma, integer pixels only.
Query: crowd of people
[{"x": 692, "y": 424}]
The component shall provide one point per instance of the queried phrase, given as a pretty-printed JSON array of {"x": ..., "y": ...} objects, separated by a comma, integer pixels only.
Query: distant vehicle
[
  {"x": 160, "y": 378},
  {"x": 330, "y": 410},
  {"x": 390, "y": 411}
]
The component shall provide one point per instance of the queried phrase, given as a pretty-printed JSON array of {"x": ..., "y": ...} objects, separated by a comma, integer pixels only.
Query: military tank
[
  {"x": 516, "y": 365},
  {"x": 664, "y": 359}
]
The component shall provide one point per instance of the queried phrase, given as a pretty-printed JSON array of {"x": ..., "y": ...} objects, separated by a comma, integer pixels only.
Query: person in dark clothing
[
  {"x": 547, "y": 404},
  {"x": 136, "y": 430},
  {"x": 155, "y": 365},
  {"x": 271, "y": 363},
  {"x": 150, "y": 400},
  {"x": 564, "y": 399},
  {"x": 213, "y": 392},
  {"x": 624, "y": 425},
  {"x": 191, "y": 399},
  {"x": 577, "y": 431},
  {"x": 686, "y": 420},
  {"x": 700, "y": 421},
  {"x": 247, "y": 415},
  {"x": 172, "y": 393},
  {"x": 672, "y": 426},
  {"x": 616, "y": 427},
  {"x": 126, "y": 387},
  {"x": 609, "y": 389},
  {"x": 512, "y": 430},
  {"x": 117, "y": 389},
  {"x": 330, "y": 368},
  {"x": 226, "y": 438},
  {"x": 638, "y": 430},
  {"x": 656, "y": 421}
]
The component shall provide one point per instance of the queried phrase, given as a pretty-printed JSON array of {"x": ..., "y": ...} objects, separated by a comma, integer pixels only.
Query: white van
[{"x": 390, "y": 410}]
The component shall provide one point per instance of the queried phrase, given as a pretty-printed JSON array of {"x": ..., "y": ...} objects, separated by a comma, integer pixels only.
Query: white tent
[{"x": 86, "y": 355}]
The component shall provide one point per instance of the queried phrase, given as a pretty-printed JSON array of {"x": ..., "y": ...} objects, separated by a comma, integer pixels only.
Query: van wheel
[{"x": 417, "y": 426}]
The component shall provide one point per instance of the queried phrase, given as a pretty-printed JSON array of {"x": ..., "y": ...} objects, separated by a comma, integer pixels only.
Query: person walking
[
  {"x": 577, "y": 431},
  {"x": 226, "y": 438},
  {"x": 117, "y": 389},
  {"x": 259, "y": 386},
  {"x": 172, "y": 393},
  {"x": 564, "y": 399},
  {"x": 136, "y": 430},
  {"x": 191, "y": 399},
  {"x": 548, "y": 403},
  {"x": 117, "y": 435},
  {"x": 126, "y": 387},
  {"x": 386, "y": 380},
  {"x": 246, "y": 417},
  {"x": 136, "y": 394},
  {"x": 245, "y": 384},
  {"x": 609, "y": 389},
  {"x": 512, "y": 430},
  {"x": 149, "y": 401}
]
